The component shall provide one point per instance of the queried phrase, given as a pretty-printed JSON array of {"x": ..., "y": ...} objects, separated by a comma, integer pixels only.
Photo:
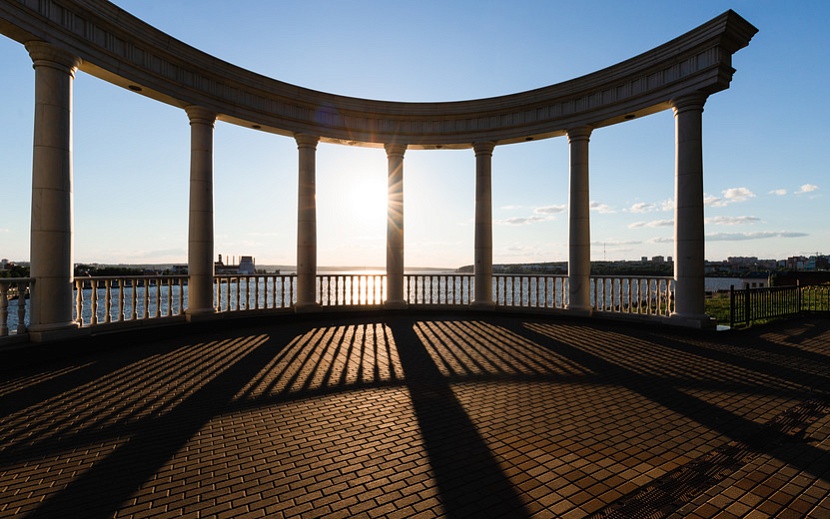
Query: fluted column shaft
[
  {"x": 307, "y": 223},
  {"x": 200, "y": 243},
  {"x": 51, "y": 252},
  {"x": 394, "y": 227},
  {"x": 579, "y": 223},
  {"x": 689, "y": 241},
  {"x": 483, "y": 265}
]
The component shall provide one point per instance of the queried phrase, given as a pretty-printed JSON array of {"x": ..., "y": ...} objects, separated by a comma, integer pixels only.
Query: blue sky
[{"x": 766, "y": 151}]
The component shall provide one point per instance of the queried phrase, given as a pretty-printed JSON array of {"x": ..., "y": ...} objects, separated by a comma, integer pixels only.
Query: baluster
[
  {"x": 145, "y": 301},
  {"x": 169, "y": 312},
  {"x": 119, "y": 315},
  {"x": 79, "y": 302},
  {"x": 93, "y": 303},
  {"x": 107, "y": 300},
  {"x": 22, "y": 290},
  {"x": 157, "y": 282},
  {"x": 4, "y": 307}
]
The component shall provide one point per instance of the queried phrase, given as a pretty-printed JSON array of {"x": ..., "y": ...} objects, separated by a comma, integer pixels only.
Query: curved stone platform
[{"x": 427, "y": 416}]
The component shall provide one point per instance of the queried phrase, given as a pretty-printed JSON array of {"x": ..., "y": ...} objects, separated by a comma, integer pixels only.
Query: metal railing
[{"x": 750, "y": 305}]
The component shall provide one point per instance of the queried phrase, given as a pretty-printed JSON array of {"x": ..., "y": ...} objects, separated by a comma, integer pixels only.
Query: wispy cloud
[
  {"x": 732, "y": 220},
  {"x": 523, "y": 220},
  {"x": 806, "y": 188},
  {"x": 729, "y": 196},
  {"x": 778, "y": 192},
  {"x": 662, "y": 239},
  {"x": 642, "y": 207},
  {"x": 550, "y": 209},
  {"x": 653, "y": 223},
  {"x": 615, "y": 243},
  {"x": 601, "y": 208},
  {"x": 510, "y": 207},
  {"x": 759, "y": 235}
]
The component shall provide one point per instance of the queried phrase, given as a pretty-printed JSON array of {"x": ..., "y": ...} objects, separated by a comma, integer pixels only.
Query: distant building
[
  {"x": 246, "y": 265},
  {"x": 756, "y": 280}
]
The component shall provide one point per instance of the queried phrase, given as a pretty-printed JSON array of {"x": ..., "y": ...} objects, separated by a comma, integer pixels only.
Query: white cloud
[
  {"x": 779, "y": 192},
  {"x": 806, "y": 188},
  {"x": 738, "y": 194},
  {"x": 661, "y": 240},
  {"x": 642, "y": 207},
  {"x": 510, "y": 207},
  {"x": 730, "y": 196},
  {"x": 601, "y": 208},
  {"x": 522, "y": 220},
  {"x": 667, "y": 205},
  {"x": 759, "y": 235},
  {"x": 653, "y": 223},
  {"x": 615, "y": 243},
  {"x": 550, "y": 209},
  {"x": 732, "y": 220}
]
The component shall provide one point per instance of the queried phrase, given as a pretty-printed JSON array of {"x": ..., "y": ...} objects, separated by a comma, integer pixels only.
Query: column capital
[
  {"x": 305, "y": 140},
  {"x": 200, "y": 115},
  {"x": 46, "y": 54},
  {"x": 484, "y": 148},
  {"x": 394, "y": 149},
  {"x": 580, "y": 133},
  {"x": 693, "y": 101}
]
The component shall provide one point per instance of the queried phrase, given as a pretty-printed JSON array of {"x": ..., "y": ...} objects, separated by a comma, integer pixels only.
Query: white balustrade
[
  {"x": 641, "y": 295},
  {"x": 14, "y": 290},
  {"x": 105, "y": 300},
  {"x": 126, "y": 299}
]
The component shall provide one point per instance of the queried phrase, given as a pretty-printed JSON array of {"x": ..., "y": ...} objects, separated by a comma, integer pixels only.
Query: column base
[
  {"x": 201, "y": 315},
  {"x": 698, "y": 321},
  {"x": 581, "y": 311},
  {"x": 306, "y": 308},
  {"x": 54, "y": 332},
  {"x": 483, "y": 305},
  {"x": 397, "y": 304}
]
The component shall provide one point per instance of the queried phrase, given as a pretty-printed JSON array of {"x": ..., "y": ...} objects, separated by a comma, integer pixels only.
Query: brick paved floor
[{"x": 427, "y": 417}]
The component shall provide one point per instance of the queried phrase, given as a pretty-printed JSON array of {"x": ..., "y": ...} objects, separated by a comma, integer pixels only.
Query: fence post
[
  {"x": 748, "y": 306},
  {"x": 731, "y": 306},
  {"x": 798, "y": 295}
]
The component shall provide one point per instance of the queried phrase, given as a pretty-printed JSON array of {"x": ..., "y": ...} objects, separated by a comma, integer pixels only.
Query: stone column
[
  {"x": 579, "y": 224},
  {"x": 689, "y": 256},
  {"x": 394, "y": 227},
  {"x": 200, "y": 241},
  {"x": 307, "y": 224},
  {"x": 484, "y": 226},
  {"x": 51, "y": 252}
]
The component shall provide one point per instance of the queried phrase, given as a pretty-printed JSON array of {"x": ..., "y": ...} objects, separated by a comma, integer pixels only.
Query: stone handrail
[{"x": 120, "y": 48}]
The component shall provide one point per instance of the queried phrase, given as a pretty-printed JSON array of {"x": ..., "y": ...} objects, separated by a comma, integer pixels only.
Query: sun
[{"x": 365, "y": 199}]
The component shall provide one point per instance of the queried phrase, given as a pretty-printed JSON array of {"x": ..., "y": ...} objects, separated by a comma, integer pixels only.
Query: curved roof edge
[{"x": 121, "y": 49}]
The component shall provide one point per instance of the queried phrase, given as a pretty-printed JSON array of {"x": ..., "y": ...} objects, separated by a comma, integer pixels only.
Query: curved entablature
[{"x": 123, "y": 50}]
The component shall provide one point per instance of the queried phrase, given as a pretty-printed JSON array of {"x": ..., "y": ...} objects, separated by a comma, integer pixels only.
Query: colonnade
[{"x": 52, "y": 218}]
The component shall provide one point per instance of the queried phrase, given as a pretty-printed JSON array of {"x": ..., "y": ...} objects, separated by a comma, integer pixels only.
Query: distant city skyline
[{"x": 765, "y": 153}]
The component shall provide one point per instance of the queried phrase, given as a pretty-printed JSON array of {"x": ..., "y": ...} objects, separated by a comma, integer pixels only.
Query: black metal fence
[{"x": 761, "y": 304}]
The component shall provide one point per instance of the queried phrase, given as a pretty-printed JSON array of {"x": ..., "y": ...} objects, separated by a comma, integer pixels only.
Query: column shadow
[{"x": 469, "y": 479}]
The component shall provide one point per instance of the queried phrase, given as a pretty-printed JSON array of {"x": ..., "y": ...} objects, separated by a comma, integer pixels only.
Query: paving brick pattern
[{"x": 423, "y": 417}]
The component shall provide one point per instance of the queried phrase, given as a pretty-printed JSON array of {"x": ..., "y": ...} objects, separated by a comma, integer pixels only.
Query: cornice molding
[{"x": 123, "y": 50}]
